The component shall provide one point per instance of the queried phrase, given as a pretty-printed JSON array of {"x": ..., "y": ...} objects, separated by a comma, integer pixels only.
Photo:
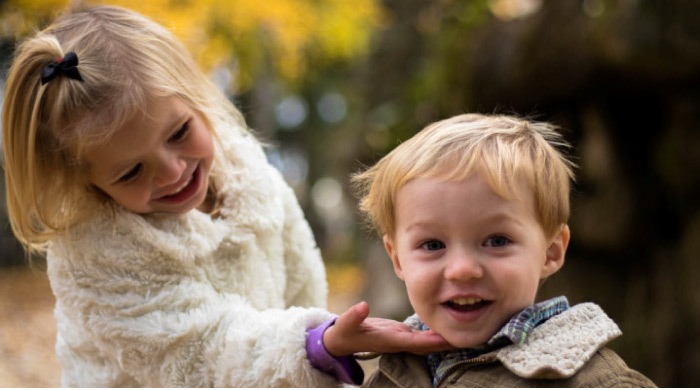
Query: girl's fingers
[
  {"x": 338, "y": 339},
  {"x": 353, "y": 317}
]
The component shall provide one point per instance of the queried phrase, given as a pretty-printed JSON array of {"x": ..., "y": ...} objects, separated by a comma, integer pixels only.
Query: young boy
[{"x": 473, "y": 212}]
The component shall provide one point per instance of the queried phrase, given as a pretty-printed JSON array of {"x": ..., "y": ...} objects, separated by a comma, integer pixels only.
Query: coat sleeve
[{"x": 164, "y": 327}]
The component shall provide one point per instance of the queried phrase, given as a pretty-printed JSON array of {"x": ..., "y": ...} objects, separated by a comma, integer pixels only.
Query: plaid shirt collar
[{"x": 514, "y": 332}]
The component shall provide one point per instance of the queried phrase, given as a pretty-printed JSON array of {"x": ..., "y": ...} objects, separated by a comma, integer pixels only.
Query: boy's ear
[
  {"x": 556, "y": 252},
  {"x": 393, "y": 254}
]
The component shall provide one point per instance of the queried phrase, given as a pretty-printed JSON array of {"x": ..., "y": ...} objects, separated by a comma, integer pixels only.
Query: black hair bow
[{"x": 67, "y": 66}]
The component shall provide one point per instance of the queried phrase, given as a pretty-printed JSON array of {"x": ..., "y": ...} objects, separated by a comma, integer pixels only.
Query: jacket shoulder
[{"x": 607, "y": 369}]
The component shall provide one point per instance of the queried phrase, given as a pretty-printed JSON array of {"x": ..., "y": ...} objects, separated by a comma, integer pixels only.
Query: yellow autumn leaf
[{"x": 253, "y": 35}]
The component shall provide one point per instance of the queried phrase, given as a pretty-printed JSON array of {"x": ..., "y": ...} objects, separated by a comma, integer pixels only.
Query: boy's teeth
[{"x": 466, "y": 301}]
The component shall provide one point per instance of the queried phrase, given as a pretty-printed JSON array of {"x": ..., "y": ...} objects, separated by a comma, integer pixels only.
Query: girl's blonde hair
[
  {"x": 125, "y": 60},
  {"x": 503, "y": 149}
]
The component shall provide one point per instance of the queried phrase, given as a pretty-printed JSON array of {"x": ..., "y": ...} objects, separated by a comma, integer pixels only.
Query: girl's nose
[
  {"x": 168, "y": 169},
  {"x": 463, "y": 266}
]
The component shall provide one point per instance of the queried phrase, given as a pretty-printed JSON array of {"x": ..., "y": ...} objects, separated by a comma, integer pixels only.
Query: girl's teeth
[{"x": 181, "y": 188}]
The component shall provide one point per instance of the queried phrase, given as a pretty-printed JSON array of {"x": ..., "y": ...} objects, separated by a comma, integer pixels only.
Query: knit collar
[{"x": 515, "y": 331}]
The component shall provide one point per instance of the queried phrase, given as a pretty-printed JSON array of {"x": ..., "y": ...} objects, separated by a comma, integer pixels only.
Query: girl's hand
[{"x": 354, "y": 332}]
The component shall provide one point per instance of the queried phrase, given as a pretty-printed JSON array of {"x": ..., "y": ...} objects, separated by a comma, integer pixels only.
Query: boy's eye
[
  {"x": 432, "y": 245},
  {"x": 180, "y": 133},
  {"x": 497, "y": 241},
  {"x": 133, "y": 172}
]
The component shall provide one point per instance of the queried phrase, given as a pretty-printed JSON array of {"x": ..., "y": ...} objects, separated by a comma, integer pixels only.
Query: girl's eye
[
  {"x": 432, "y": 245},
  {"x": 178, "y": 135},
  {"x": 133, "y": 172},
  {"x": 497, "y": 241}
]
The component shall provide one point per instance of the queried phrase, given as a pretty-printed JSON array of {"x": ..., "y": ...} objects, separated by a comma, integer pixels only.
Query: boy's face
[
  {"x": 157, "y": 163},
  {"x": 470, "y": 258}
]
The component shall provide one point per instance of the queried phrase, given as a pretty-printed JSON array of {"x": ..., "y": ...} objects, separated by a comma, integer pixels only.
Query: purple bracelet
[{"x": 344, "y": 368}]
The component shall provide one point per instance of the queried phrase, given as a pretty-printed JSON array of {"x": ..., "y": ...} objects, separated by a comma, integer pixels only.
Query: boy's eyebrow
[
  {"x": 498, "y": 216},
  {"x": 501, "y": 216},
  {"x": 419, "y": 224}
]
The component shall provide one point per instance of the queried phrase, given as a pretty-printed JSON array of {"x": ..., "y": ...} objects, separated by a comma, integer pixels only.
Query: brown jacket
[{"x": 566, "y": 351}]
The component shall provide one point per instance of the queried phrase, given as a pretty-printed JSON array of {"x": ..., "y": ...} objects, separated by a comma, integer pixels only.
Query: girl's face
[
  {"x": 156, "y": 163},
  {"x": 470, "y": 258}
]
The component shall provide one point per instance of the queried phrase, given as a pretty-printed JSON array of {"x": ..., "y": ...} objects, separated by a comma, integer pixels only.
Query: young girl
[{"x": 178, "y": 256}]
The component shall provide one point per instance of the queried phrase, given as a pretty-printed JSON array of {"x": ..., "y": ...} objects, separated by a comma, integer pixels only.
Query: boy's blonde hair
[
  {"x": 503, "y": 149},
  {"x": 126, "y": 60}
]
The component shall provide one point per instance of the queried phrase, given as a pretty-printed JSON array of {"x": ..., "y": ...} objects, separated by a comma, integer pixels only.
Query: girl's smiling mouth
[{"x": 185, "y": 191}]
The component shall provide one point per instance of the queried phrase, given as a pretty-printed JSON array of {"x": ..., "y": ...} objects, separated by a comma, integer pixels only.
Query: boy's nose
[{"x": 463, "y": 266}]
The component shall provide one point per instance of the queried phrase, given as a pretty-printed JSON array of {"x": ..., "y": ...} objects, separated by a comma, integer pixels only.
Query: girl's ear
[
  {"x": 393, "y": 254},
  {"x": 556, "y": 252}
]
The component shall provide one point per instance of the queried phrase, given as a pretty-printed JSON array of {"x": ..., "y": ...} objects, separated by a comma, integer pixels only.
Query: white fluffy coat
[{"x": 189, "y": 300}]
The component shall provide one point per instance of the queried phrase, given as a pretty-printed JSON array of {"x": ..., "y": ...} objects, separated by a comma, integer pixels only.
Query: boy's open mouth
[{"x": 466, "y": 304}]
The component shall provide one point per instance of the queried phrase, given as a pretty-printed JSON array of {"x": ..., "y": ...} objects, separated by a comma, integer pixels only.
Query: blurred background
[{"x": 333, "y": 85}]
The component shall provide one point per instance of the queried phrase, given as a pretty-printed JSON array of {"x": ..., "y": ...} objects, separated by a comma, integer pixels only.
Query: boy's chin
[{"x": 462, "y": 340}]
